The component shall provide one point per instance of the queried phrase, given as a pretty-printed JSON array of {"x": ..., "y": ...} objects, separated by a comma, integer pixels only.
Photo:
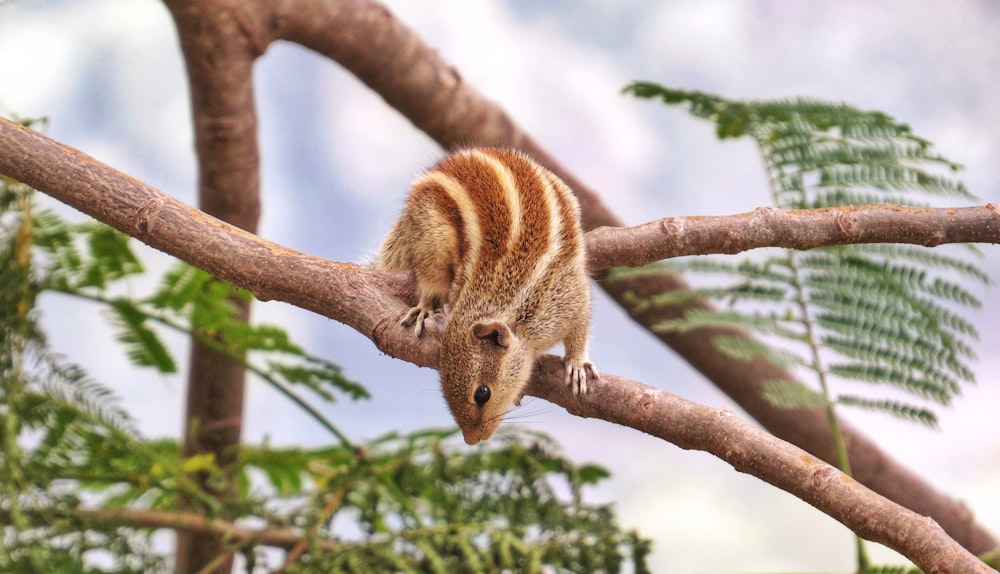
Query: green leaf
[
  {"x": 746, "y": 349},
  {"x": 66, "y": 387},
  {"x": 885, "y": 314},
  {"x": 793, "y": 395},
  {"x": 592, "y": 474},
  {"x": 925, "y": 384},
  {"x": 767, "y": 323},
  {"x": 903, "y": 411},
  {"x": 111, "y": 257},
  {"x": 260, "y": 338},
  {"x": 318, "y": 375},
  {"x": 142, "y": 345}
]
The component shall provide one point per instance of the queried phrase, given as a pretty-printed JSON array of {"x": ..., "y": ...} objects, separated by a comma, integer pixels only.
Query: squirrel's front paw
[
  {"x": 415, "y": 316},
  {"x": 423, "y": 318},
  {"x": 577, "y": 373}
]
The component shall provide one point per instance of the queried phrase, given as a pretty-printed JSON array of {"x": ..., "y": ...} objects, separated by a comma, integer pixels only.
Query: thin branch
[
  {"x": 188, "y": 522},
  {"x": 799, "y": 229},
  {"x": 367, "y": 300},
  {"x": 753, "y": 451}
]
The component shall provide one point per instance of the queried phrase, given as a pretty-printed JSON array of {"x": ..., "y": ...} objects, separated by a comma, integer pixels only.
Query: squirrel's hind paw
[{"x": 435, "y": 324}]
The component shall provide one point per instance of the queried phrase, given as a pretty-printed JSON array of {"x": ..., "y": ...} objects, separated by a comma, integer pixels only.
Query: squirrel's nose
[{"x": 471, "y": 436}]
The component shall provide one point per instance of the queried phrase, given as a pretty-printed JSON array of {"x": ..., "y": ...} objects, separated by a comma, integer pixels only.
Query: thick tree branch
[
  {"x": 801, "y": 229},
  {"x": 367, "y": 301},
  {"x": 364, "y": 300}
]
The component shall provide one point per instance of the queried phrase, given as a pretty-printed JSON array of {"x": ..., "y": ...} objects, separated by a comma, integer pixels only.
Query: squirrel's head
[{"x": 484, "y": 367}]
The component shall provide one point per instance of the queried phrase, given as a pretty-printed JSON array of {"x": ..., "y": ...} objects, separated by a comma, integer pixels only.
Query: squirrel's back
[{"x": 496, "y": 245}]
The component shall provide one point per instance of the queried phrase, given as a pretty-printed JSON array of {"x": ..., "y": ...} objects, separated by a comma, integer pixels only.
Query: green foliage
[
  {"x": 882, "y": 314},
  {"x": 50, "y": 412},
  {"x": 419, "y": 504},
  {"x": 92, "y": 261}
]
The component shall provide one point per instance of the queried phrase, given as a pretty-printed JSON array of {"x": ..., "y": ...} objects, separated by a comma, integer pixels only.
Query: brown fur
[{"x": 495, "y": 242}]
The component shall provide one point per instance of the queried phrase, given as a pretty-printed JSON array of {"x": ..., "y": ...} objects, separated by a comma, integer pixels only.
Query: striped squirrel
[{"x": 496, "y": 245}]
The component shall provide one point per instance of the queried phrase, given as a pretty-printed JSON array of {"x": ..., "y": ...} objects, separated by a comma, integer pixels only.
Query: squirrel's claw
[
  {"x": 415, "y": 316},
  {"x": 420, "y": 317},
  {"x": 577, "y": 373}
]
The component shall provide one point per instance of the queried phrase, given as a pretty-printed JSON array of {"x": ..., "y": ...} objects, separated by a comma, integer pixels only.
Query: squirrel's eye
[{"x": 482, "y": 394}]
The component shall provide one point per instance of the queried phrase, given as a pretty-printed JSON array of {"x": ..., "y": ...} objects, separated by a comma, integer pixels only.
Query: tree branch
[
  {"x": 363, "y": 299},
  {"x": 186, "y": 522},
  {"x": 758, "y": 453},
  {"x": 367, "y": 300},
  {"x": 797, "y": 229}
]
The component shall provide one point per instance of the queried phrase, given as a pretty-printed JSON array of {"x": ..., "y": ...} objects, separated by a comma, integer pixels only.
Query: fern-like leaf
[
  {"x": 768, "y": 323},
  {"x": 319, "y": 375},
  {"x": 111, "y": 257},
  {"x": 745, "y": 349},
  {"x": 793, "y": 395},
  {"x": 142, "y": 345},
  {"x": 885, "y": 314},
  {"x": 898, "y": 409},
  {"x": 67, "y": 387}
]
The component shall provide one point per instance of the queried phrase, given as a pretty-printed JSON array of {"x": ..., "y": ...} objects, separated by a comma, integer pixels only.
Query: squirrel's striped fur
[{"x": 496, "y": 245}]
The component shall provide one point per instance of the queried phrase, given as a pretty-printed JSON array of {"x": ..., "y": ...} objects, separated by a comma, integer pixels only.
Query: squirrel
[{"x": 496, "y": 245}]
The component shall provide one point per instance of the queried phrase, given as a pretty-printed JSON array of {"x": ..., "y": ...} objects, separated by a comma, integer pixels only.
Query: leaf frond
[
  {"x": 69, "y": 387},
  {"x": 924, "y": 384},
  {"x": 793, "y": 395},
  {"x": 885, "y": 314},
  {"x": 900, "y": 410},
  {"x": 142, "y": 345},
  {"x": 767, "y": 323},
  {"x": 746, "y": 349}
]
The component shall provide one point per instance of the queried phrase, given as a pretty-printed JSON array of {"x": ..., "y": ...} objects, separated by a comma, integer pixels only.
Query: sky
[{"x": 337, "y": 162}]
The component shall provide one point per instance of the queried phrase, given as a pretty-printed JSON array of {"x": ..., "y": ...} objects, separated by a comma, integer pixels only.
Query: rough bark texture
[
  {"x": 807, "y": 229},
  {"x": 753, "y": 451}
]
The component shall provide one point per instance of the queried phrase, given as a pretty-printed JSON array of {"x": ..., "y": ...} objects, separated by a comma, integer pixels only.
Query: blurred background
[{"x": 337, "y": 162}]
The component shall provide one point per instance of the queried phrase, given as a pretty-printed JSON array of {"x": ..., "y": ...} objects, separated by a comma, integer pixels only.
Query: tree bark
[{"x": 790, "y": 229}]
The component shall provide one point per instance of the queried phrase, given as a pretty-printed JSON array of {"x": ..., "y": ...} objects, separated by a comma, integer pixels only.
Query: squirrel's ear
[{"x": 496, "y": 332}]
